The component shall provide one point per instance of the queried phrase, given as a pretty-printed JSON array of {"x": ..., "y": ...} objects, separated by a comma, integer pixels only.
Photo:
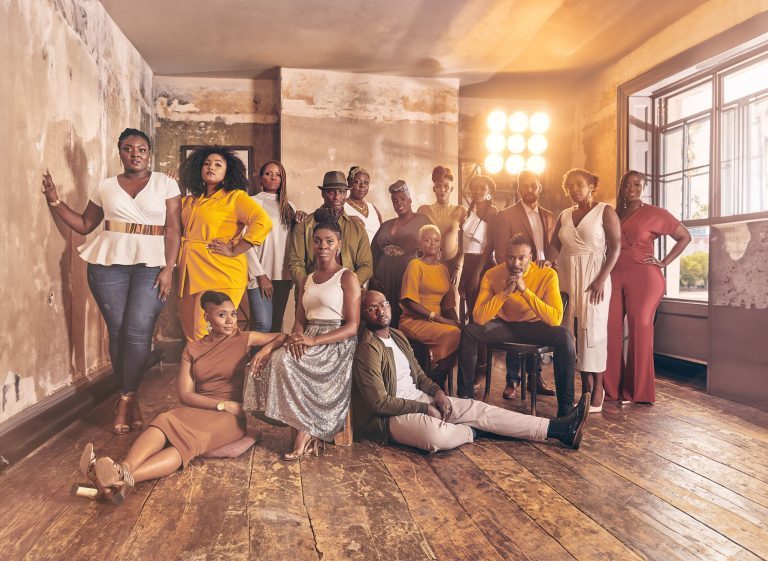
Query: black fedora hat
[{"x": 334, "y": 180}]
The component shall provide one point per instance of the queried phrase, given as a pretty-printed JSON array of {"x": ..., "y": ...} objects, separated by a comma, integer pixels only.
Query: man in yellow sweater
[{"x": 520, "y": 302}]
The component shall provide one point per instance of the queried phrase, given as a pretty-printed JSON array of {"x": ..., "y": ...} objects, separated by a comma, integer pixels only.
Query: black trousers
[{"x": 529, "y": 332}]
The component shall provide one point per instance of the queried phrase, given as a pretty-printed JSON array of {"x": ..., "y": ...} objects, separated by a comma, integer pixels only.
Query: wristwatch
[{"x": 220, "y": 406}]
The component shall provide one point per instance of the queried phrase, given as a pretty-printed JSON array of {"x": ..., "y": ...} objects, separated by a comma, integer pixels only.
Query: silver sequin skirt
[{"x": 312, "y": 394}]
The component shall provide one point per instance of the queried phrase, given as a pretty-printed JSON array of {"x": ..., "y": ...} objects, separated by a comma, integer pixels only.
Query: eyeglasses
[{"x": 383, "y": 306}]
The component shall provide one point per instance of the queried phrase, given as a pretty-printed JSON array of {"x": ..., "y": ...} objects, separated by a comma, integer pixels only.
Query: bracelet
[
  {"x": 57, "y": 202},
  {"x": 431, "y": 316}
]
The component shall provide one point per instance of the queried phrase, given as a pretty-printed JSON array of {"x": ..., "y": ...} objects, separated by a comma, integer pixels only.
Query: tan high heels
[
  {"x": 311, "y": 446},
  {"x": 113, "y": 479}
]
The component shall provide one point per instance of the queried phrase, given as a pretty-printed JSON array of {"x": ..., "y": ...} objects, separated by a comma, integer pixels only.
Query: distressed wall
[
  {"x": 396, "y": 127},
  {"x": 71, "y": 83}
]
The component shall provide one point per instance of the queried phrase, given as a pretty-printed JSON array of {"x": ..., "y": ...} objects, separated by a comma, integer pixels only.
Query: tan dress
[{"x": 218, "y": 369}]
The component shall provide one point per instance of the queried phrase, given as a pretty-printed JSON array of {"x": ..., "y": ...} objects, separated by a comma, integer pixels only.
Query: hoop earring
[{"x": 419, "y": 254}]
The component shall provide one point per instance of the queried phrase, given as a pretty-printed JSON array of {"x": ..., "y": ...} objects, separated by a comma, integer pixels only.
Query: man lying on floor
[{"x": 394, "y": 400}]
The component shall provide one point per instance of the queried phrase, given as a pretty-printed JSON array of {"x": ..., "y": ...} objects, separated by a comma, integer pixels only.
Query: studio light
[
  {"x": 494, "y": 163},
  {"x": 539, "y": 122},
  {"x": 497, "y": 121},
  {"x": 516, "y": 143},
  {"x": 537, "y": 144},
  {"x": 518, "y": 121},
  {"x": 494, "y": 143},
  {"x": 536, "y": 164},
  {"x": 515, "y": 164}
]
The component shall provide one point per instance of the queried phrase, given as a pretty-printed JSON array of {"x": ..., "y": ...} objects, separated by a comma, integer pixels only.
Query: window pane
[
  {"x": 689, "y": 102},
  {"x": 757, "y": 174},
  {"x": 697, "y": 151},
  {"x": 672, "y": 195},
  {"x": 751, "y": 79},
  {"x": 673, "y": 150},
  {"x": 728, "y": 164},
  {"x": 688, "y": 276},
  {"x": 697, "y": 195}
]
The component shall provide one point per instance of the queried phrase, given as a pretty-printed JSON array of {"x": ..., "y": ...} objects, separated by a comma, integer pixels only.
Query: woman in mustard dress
[
  {"x": 429, "y": 305},
  {"x": 210, "y": 387},
  {"x": 220, "y": 222}
]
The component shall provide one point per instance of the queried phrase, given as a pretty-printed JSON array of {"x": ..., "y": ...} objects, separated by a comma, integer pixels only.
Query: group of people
[{"x": 346, "y": 264}]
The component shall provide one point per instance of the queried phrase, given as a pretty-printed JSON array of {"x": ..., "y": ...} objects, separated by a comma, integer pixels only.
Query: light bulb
[
  {"x": 494, "y": 142},
  {"x": 515, "y": 164},
  {"x": 497, "y": 120},
  {"x": 516, "y": 143},
  {"x": 494, "y": 163},
  {"x": 518, "y": 121},
  {"x": 537, "y": 144}
]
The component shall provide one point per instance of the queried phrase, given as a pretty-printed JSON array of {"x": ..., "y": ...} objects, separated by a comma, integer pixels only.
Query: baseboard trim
[{"x": 30, "y": 428}]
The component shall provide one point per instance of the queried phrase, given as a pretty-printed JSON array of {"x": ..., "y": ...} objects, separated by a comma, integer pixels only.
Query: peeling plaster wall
[
  {"x": 194, "y": 111},
  {"x": 71, "y": 83},
  {"x": 395, "y": 127}
]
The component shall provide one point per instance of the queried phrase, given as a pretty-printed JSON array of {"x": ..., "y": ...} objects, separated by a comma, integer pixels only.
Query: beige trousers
[{"x": 422, "y": 431}]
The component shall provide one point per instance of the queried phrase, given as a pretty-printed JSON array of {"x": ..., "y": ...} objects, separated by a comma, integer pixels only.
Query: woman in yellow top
[
  {"x": 429, "y": 305},
  {"x": 220, "y": 223}
]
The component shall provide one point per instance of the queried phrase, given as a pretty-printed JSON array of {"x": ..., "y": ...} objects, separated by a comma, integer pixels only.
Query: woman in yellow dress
[
  {"x": 220, "y": 222},
  {"x": 429, "y": 305}
]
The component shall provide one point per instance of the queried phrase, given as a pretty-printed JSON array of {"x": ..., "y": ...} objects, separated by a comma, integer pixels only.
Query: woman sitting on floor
[
  {"x": 429, "y": 305},
  {"x": 210, "y": 386}
]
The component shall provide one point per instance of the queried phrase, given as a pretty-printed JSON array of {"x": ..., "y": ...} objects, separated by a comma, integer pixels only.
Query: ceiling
[{"x": 473, "y": 40}]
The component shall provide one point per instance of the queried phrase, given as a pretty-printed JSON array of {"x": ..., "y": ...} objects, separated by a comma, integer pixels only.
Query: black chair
[
  {"x": 523, "y": 351},
  {"x": 424, "y": 358}
]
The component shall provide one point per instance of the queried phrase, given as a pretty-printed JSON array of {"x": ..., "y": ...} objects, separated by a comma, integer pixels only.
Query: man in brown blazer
[{"x": 537, "y": 223}]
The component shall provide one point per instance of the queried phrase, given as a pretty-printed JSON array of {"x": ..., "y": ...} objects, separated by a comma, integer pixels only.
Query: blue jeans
[
  {"x": 513, "y": 368},
  {"x": 130, "y": 307},
  {"x": 267, "y": 315}
]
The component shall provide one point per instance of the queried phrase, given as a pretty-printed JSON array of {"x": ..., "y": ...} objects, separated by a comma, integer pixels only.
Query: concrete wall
[
  {"x": 194, "y": 111},
  {"x": 395, "y": 127},
  {"x": 71, "y": 83}
]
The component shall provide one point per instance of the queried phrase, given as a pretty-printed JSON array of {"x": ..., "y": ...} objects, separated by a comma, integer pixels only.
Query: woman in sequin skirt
[{"x": 307, "y": 383}]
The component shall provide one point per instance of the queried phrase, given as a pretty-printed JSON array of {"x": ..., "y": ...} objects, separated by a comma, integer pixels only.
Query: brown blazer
[{"x": 513, "y": 220}]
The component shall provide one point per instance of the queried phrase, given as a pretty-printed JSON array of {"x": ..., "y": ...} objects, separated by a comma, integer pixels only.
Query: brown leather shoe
[
  {"x": 510, "y": 392},
  {"x": 542, "y": 388}
]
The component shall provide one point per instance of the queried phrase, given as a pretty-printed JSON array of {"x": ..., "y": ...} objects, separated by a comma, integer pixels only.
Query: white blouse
[
  {"x": 475, "y": 234},
  {"x": 370, "y": 222},
  {"x": 120, "y": 248},
  {"x": 269, "y": 258}
]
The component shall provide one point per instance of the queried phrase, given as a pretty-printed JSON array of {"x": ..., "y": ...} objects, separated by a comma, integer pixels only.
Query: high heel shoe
[
  {"x": 312, "y": 446},
  {"x": 124, "y": 403},
  {"x": 88, "y": 469},
  {"x": 114, "y": 477},
  {"x": 137, "y": 423},
  {"x": 598, "y": 408}
]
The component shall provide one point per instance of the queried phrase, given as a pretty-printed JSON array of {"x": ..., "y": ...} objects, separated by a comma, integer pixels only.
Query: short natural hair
[
  {"x": 213, "y": 297},
  {"x": 591, "y": 178},
  {"x": 440, "y": 173},
  {"x": 520, "y": 239},
  {"x": 133, "y": 132},
  {"x": 429, "y": 228}
]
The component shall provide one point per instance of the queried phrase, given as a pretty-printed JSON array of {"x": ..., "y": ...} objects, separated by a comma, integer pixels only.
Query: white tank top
[{"x": 324, "y": 300}]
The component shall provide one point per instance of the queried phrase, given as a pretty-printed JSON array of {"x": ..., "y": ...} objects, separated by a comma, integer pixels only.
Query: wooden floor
[{"x": 684, "y": 479}]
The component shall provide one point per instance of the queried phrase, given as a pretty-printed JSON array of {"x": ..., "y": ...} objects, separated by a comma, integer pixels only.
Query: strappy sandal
[
  {"x": 88, "y": 469},
  {"x": 123, "y": 428},
  {"x": 137, "y": 423},
  {"x": 115, "y": 477},
  {"x": 312, "y": 446}
]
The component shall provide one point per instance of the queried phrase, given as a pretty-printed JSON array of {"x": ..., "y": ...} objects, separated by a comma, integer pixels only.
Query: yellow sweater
[{"x": 540, "y": 302}]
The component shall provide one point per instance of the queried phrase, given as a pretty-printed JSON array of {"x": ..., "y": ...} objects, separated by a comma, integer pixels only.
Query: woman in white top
[
  {"x": 359, "y": 181},
  {"x": 477, "y": 238},
  {"x": 130, "y": 262},
  {"x": 586, "y": 244},
  {"x": 307, "y": 384},
  {"x": 269, "y": 283}
]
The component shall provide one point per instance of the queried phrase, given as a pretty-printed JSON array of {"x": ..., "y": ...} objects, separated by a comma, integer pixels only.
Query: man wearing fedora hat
[{"x": 355, "y": 248}]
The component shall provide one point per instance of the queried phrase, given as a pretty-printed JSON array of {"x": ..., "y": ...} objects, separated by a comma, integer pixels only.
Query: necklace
[
  {"x": 441, "y": 210},
  {"x": 361, "y": 209}
]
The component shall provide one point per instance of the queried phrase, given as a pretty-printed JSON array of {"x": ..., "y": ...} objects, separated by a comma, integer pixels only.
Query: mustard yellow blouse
[{"x": 224, "y": 215}]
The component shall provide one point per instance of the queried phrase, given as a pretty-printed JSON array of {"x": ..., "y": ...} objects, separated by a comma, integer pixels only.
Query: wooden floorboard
[{"x": 684, "y": 479}]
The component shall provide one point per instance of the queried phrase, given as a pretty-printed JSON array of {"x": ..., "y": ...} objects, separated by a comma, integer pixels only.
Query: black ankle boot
[{"x": 569, "y": 429}]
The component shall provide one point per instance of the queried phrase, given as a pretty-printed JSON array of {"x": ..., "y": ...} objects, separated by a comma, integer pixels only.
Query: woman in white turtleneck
[{"x": 269, "y": 283}]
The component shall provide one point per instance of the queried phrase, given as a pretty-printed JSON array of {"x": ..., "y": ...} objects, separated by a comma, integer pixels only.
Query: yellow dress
[
  {"x": 427, "y": 285},
  {"x": 224, "y": 215}
]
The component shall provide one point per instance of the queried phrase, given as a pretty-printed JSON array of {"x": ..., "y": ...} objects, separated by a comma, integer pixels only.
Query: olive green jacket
[
  {"x": 374, "y": 385},
  {"x": 355, "y": 249}
]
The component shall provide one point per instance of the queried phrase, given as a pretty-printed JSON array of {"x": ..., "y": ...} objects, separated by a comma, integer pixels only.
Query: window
[{"x": 705, "y": 152}]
